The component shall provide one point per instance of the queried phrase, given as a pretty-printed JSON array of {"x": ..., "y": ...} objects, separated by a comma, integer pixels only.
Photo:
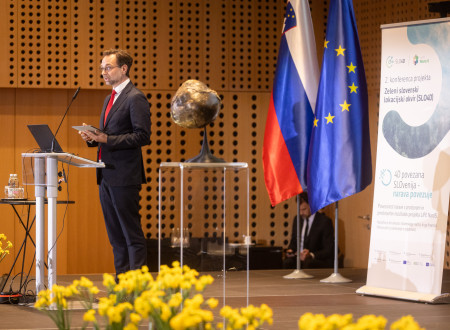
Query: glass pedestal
[{"x": 203, "y": 219}]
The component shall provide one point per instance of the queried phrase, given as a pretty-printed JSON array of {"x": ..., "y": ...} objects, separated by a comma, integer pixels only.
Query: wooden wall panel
[
  {"x": 190, "y": 37},
  {"x": 369, "y": 19},
  {"x": 136, "y": 23},
  {"x": 109, "y": 31},
  {"x": 242, "y": 45},
  {"x": 8, "y": 222},
  {"x": 162, "y": 45},
  {"x": 84, "y": 57},
  {"x": 266, "y": 30},
  {"x": 447, "y": 245},
  {"x": 31, "y": 44},
  {"x": 57, "y": 41},
  {"x": 216, "y": 41},
  {"x": 8, "y": 52}
]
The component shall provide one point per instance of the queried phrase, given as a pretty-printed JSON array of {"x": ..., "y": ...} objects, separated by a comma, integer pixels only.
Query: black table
[{"x": 27, "y": 225}]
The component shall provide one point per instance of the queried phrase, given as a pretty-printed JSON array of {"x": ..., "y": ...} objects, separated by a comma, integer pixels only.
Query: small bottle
[
  {"x": 15, "y": 181},
  {"x": 11, "y": 182},
  {"x": 9, "y": 187}
]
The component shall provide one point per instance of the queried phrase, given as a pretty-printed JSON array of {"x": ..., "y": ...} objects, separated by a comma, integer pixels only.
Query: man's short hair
[
  {"x": 122, "y": 58},
  {"x": 304, "y": 197}
]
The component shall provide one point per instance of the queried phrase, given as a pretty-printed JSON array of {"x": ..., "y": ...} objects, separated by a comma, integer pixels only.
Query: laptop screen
[{"x": 44, "y": 138}]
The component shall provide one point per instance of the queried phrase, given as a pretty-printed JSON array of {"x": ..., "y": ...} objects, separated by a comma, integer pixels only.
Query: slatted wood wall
[{"x": 52, "y": 47}]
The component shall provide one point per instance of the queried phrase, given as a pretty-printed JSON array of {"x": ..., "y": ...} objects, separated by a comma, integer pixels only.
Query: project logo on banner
[{"x": 412, "y": 184}]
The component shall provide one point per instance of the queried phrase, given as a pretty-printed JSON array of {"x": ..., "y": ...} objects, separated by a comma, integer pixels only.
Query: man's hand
[
  {"x": 304, "y": 254},
  {"x": 290, "y": 253},
  {"x": 96, "y": 136}
]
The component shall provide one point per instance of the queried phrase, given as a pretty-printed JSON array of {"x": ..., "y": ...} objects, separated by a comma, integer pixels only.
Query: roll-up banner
[{"x": 412, "y": 177}]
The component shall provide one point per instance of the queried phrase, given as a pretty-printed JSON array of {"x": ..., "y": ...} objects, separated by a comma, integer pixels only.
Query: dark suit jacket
[
  {"x": 128, "y": 129},
  {"x": 320, "y": 240}
]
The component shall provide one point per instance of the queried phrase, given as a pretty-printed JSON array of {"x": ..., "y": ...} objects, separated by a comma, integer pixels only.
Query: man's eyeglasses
[{"x": 108, "y": 68}]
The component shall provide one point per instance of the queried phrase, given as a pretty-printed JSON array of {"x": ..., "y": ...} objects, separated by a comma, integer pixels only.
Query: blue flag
[{"x": 339, "y": 163}]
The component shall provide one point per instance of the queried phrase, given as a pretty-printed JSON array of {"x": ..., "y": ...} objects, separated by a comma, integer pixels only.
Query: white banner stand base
[
  {"x": 335, "y": 278},
  {"x": 298, "y": 273},
  {"x": 429, "y": 298}
]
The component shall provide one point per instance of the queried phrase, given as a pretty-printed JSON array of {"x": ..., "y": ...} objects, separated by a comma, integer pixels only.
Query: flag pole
[
  {"x": 336, "y": 277},
  {"x": 298, "y": 273}
]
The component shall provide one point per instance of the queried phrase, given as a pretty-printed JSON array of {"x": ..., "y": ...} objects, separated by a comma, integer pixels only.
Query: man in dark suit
[
  {"x": 124, "y": 129},
  {"x": 316, "y": 239}
]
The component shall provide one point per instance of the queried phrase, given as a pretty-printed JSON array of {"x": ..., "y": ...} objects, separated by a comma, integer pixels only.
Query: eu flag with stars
[{"x": 339, "y": 163}]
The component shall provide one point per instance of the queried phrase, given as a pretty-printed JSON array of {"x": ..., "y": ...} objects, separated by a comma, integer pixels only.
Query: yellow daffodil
[
  {"x": 135, "y": 318},
  {"x": 89, "y": 316},
  {"x": 142, "y": 307},
  {"x": 130, "y": 326},
  {"x": 175, "y": 300},
  {"x": 212, "y": 303},
  {"x": 372, "y": 322},
  {"x": 341, "y": 322},
  {"x": 406, "y": 323},
  {"x": 4, "y": 251},
  {"x": 105, "y": 303},
  {"x": 165, "y": 312}
]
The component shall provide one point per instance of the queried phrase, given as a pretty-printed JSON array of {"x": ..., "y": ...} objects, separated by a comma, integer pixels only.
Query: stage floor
[{"x": 288, "y": 298}]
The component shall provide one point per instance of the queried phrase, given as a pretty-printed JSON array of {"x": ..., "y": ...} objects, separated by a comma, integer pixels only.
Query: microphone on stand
[{"x": 67, "y": 110}]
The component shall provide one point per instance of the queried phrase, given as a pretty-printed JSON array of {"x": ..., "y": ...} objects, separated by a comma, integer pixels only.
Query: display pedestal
[
  {"x": 41, "y": 170},
  {"x": 204, "y": 217}
]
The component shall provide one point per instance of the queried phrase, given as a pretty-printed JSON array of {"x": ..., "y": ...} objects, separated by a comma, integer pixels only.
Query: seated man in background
[{"x": 316, "y": 239}]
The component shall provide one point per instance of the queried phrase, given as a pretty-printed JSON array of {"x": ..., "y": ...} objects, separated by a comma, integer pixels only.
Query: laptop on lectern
[{"x": 44, "y": 138}]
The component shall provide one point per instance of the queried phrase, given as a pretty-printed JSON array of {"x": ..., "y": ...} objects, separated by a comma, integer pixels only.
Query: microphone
[{"x": 67, "y": 110}]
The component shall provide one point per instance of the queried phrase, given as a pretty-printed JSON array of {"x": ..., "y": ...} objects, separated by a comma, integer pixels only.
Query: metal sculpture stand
[{"x": 205, "y": 155}]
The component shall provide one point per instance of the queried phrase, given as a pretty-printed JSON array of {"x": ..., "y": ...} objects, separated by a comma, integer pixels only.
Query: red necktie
[
  {"x": 108, "y": 107},
  {"x": 110, "y": 104}
]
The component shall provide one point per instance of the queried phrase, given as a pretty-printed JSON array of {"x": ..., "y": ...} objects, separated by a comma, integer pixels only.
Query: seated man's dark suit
[
  {"x": 128, "y": 128},
  {"x": 320, "y": 242}
]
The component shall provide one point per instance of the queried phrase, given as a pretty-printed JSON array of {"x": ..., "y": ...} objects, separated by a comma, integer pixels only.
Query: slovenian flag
[
  {"x": 290, "y": 116},
  {"x": 339, "y": 162}
]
